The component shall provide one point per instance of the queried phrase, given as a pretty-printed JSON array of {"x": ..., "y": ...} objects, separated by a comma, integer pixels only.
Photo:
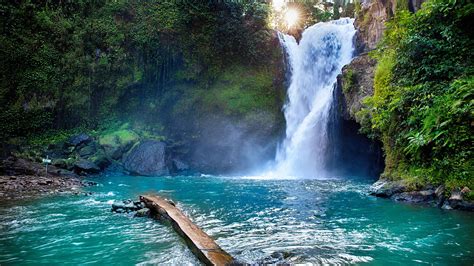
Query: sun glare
[
  {"x": 291, "y": 17},
  {"x": 278, "y": 4}
]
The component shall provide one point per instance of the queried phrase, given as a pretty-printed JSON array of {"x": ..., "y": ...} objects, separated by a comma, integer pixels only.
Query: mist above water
[{"x": 315, "y": 64}]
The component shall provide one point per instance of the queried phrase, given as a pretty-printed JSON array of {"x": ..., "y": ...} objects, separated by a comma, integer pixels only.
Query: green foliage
[
  {"x": 424, "y": 94},
  {"x": 349, "y": 80},
  {"x": 71, "y": 64},
  {"x": 17, "y": 121},
  {"x": 119, "y": 136},
  {"x": 236, "y": 92},
  {"x": 240, "y": 90}
]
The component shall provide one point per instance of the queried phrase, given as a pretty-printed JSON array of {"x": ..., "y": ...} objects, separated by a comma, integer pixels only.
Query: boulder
[
  {"x": 423, "y": 196},
  {"x": 64, "y": 172},
  {"x": 114, "y": 152},
  {"x": 86, "y": 167},
  {"x": 145, "y": 212},
  {"x": 61, "y": 163},
  {"x": 462, "y": 205},
  {"x": 457, "y": 201},
  {"x": 79, "y": 139},
  {"x": 100, "y": 159},
  {"x": 116, "y": 143},
  {"x": 87, "y": 150},
  {"x": 147, "y": 158},
  {"x": 127, "y": 206},
  {"x": 386, "y": 188},
  {"x": 440, "y": 195}
]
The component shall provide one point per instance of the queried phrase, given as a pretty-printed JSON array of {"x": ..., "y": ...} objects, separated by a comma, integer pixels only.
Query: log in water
[{"x": 200, "y": 243}]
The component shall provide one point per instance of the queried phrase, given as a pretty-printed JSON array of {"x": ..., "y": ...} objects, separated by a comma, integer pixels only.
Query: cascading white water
[{"x": 315, "y": 63}]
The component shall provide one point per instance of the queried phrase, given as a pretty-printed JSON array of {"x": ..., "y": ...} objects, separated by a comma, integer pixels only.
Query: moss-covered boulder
[
  {"x": 148, "y": 158},
  {"x": 100, "y": 159},
  {"x": 116, "y": 143},
  {"x": 64, "y": 163},
  {"x": 87, "y": 150}
]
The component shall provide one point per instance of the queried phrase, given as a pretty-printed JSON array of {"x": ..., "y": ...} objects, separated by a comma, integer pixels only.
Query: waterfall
[{"x": 314, "y": 65}]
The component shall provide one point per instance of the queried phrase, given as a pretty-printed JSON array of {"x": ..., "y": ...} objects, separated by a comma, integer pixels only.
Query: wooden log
[{"x": 200, "y": 243}]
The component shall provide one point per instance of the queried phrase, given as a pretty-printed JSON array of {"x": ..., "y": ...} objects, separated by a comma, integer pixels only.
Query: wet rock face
[
  {"x": 356, "y": 83},
  {"x": 179, "y": 166},
  {"x": 147, "y": 158},
  {"x": 457, "y": 201},
  {"x": 423, "y": 196},
  {"x": 226, "y": 146}
]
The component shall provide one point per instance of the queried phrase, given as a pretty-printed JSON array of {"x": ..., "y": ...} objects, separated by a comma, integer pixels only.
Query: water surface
[{"x": 301, "y": 221}]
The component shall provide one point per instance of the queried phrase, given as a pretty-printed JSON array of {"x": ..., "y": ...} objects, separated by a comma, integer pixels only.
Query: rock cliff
[{"x": 370, "y": 20}]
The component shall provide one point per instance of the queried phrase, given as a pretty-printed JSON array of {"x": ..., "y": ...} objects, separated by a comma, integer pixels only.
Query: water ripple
[{"x": 293, "y": 221}]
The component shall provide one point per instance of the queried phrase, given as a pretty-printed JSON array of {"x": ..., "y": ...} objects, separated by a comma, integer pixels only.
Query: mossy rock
[
  {"x": 87, "y": 150},
  {"x": 118, "y": 142},
  {"x": 121, "y": 136},
  {"x": 100, "y": 159},
  {"x": 64, "y": 163}
]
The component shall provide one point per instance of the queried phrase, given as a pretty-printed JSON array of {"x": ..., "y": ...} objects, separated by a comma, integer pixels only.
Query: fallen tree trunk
[{"x": 200, "y": 243}]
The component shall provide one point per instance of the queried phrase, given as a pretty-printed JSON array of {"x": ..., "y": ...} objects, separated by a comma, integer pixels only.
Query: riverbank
[
  {"x": 21, "y": 179},
  {"x": 401, "y": 191},
  {"x": 29, "y": 186}
]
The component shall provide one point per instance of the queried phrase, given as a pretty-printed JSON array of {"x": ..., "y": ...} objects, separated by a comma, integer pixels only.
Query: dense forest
[{"x": 83, "y": 63}]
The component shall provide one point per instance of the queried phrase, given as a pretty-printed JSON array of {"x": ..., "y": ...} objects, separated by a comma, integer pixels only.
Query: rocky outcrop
[
  {"x": 386, "y": 189},
  {"x": 148, "y": 158},
  {"x": 85, "y": 155},
  {"x": 399, "y": 191},
  {"x": 81, "y": 154},
  {"x": 356, "y": 83},
  {"x": 370, "y": 21},
  {"x": 457, "y": 200}
]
